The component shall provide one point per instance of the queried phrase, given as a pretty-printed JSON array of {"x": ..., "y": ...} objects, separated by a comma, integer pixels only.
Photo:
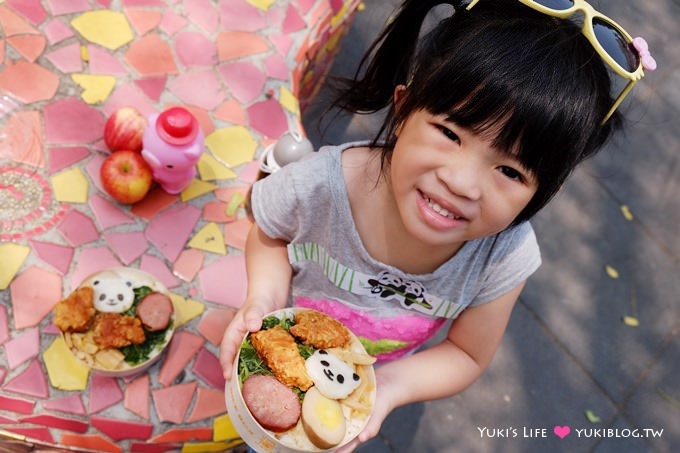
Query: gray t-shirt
[{"x": 393, "y": 312}]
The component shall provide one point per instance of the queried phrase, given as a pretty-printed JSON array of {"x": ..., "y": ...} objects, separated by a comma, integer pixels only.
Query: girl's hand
[
  {"x": 247, "y": 319},
  {"x": 384, "y": 404}
]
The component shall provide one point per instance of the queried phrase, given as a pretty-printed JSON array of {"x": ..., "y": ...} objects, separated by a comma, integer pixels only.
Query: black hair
[{"x": 531, "y": 80}]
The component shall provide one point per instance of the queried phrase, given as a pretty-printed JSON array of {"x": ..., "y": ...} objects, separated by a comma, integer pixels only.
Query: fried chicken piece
[
  {"x": 75, "y": 313},
  {"x": 113, "y": 330},
  {"x": 280, "y": 353},
  {"x": 319, "y": 330}
]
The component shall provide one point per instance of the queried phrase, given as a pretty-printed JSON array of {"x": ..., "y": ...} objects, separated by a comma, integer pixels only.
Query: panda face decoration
[
  {"x": 112, "y": 295},
  {"x": 333, "y": 378}
]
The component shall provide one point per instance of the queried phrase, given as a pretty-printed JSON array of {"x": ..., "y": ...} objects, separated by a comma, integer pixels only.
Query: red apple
[
  {"x": 124, "y": 130},
  {"x": 126, "y": 176}
]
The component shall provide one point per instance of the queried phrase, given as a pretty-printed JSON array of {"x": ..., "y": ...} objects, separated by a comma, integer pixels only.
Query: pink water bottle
[{"x": 172, "y": 144}]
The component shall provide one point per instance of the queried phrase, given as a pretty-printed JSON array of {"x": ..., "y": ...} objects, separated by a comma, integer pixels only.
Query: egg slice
[
  {"x": 322, "y": 419},
  {"x": 332, "y": 377}
]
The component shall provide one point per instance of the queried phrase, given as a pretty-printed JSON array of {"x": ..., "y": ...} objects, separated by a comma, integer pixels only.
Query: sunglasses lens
[
  {"x": 557, "y": 5},
  {"x": 616, "y": 45}
]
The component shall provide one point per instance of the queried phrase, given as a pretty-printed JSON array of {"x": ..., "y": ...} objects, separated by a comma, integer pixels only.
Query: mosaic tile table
[{"x": 244, "y": 68}]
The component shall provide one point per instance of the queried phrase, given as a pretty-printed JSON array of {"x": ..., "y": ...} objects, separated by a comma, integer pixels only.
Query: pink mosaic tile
[
  {"x": 213, "y": 324},
  {"x": 293, "y": 22},
  {"x": 63, "y": 157},
  {"x": 143, "y": 20},
  {"x": 241, "y": 15},
  {"x": 120, "y": 429},
  {"x": 71, "y": 404},
  {"x": 22, "y": 347},
  {"x": 207, "y": 367},
  {"x": 104, "y": 392},
  {"x": 127, "y": 246},
  {"x": 15, "y": 404},
  {"x": 59, "y": 7},
  {"x": 209, "y": 403},
  {"x": 244, "y": 80},
  {"x": 78, "y": 229},
  {"x": 30, "y": 9},
  {"x": 30, "y": 382},
  {"x": 29, "y": 46},
  {"x": 127, "y": 94},
  {"x": 171, "y": 403},
  {"x": 215, "y": 288},
  {"x": 195, "y": 50},
  {"x": 203, "y": 14},
  {"x": 28, "y": 82},
  {"x": 172, "y": 22},
  {"x": 71, "y": 121},
  {"x": 4, "y": 328},
  {"x": 183, "y": 347},
  {"x": 102, "y": 62},
  {"x": 92, "y": 260},
  {"x": 151, "y": 56},
  {"x": 199, "y": 88},
  {"x": 66, "y": 59},
  {"x": 137, "y": 396},
  {"x": 52, "y": 421},
  {"x": 107, "y": 214},
  {"x": 152, "y": 86},
  {"x": 34, "y": 293},
  {"x": 276, "y": 67},
  {"x": 40, "y": 434},
  {"x": 268, "y": 118},
  {"x": 158, "y": 269},
  {"x": 14, "y": 24},
  {"x": 56, "y": 31},
  {"x": 188, "y": 264},
  {"x": 170, "y": 230},
  {"x": 57, "y": 256},
  {"x": 235, "y": 233}
]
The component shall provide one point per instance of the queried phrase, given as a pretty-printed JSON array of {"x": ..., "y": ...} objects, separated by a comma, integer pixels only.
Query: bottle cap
[{"x": 177, "y": 126}]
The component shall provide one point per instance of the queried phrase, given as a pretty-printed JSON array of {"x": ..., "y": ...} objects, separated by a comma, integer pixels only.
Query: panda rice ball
[{"x": 333, "y": 377}]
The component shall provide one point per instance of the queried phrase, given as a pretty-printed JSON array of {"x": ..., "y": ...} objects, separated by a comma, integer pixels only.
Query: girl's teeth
[{"x": 439, "y": 210}]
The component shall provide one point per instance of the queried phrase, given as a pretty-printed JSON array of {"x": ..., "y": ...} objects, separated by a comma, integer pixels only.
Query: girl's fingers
[{"x": 247, "y": 320}]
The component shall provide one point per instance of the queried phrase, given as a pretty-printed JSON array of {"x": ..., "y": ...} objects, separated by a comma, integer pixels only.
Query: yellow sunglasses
[{"x": 628, "y": 57}]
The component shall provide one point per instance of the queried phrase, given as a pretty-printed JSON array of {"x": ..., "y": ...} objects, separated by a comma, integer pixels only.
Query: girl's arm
[
  {"x": 445, "y": 369},
  {"x": 269, "y": 275}
]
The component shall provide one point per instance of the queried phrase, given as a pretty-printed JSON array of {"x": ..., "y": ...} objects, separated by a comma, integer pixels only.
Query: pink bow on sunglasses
[{"x": 648, "y": 62}]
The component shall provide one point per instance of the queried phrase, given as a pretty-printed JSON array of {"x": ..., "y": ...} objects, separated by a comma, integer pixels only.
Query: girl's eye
[
  {"x": 448, "y": 133},
  {"x": 511, "y": 173}
]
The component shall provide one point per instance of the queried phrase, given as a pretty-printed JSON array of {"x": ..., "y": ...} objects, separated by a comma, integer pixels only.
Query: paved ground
[{"x": 567, "y": 350}]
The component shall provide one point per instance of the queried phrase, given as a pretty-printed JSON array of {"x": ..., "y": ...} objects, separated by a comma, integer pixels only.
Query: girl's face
[{"x": 450, "y": 185}]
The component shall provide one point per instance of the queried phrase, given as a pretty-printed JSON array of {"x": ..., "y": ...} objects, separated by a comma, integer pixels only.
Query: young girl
[{"x": 487, "y": 116}]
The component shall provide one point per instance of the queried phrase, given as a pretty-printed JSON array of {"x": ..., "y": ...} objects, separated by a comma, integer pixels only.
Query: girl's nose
[{"x": 463, "y": 177}]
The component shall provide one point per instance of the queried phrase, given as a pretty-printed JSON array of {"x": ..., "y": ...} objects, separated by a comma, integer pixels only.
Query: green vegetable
[
  {"x": 140, "y": 293},
  {"x": 249, "y": 362},
  {"x": 137, "y": 353}
]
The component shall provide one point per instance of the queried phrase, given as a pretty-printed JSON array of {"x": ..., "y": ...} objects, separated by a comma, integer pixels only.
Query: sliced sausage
[
  {"x": 155, "y": 311},
  {"x": 273, "y": 404}
]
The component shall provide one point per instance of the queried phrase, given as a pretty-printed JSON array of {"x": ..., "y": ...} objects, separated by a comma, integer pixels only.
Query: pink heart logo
[{"x": 561, "y": 431}]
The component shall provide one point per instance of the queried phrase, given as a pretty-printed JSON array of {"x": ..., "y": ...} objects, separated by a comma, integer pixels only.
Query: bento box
[
  {"x": 303, "y": 383},
  {"x": 117, "y": 322}
]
